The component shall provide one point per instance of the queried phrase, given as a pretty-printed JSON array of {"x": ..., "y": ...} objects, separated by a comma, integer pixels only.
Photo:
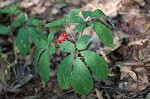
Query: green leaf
[
  {"x": 95, "y": 13},
  {"x": 34, "y": 36},
  {"x": 4, "y": 29},
  {"x": 56, "y": 23},
  {"x": 34, "y": 22},
  {"x": 73, "y": 18},
  {"x": 44, "y": 66},
  {"x": 51, "y": 49},
  {"x": 22, "y": 17},
  {"x": 64, "y": 71},
  {"x": 11, "y": 9},
  {"x": 67, "y": 46},
  {"x": 23, "y": 41},
  {"x": 81, "y": 80},
  {"x": 14, "y": 9},
  {"x": 97, "y": 64},
  {"x": 37, "y": 55},
  {"x": 50, "y": 37},
  {"x": 42, "y": 44},
  {"x": 60, "y": 1},
  {"x": 80, "y": 27},
  {"x": 86, "y": 14},
  {"x": 99, "y": 13},
  {"x": 103, "y": 33},
  {"x": 82, "y": 42},
  {"x": 74, "y": 12},
  {"x": 42, "y": 34},
  {"x": 4, "y": 10},
  {"x": 16, "y": 24},
  {"x": 55, "y": 28}
]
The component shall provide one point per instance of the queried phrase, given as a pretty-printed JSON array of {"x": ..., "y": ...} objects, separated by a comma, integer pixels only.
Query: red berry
[{"x": 62, "y": 37}]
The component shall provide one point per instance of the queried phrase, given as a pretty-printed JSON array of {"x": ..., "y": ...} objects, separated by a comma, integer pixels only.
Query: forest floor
[{"x": 129, "y": 61}]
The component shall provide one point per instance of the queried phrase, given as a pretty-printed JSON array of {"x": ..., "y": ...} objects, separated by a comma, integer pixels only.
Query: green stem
[{"x": 14, "y": 49}]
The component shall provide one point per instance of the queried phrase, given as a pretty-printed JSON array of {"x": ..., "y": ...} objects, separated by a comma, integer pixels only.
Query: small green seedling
[{"x": 28, "y": 29}]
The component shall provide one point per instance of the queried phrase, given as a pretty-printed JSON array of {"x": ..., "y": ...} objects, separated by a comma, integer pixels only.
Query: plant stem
[
  {"x": 14, "y": 42},
  {"x": 70, "y": 33},
  {"x": 14, "y": 50},
  {"x": 81, "y": 32},
  {"x": 12, "y": 67}
]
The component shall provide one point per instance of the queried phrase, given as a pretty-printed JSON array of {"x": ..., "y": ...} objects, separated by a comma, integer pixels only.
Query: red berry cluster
[{"x": 62, "y": 37}]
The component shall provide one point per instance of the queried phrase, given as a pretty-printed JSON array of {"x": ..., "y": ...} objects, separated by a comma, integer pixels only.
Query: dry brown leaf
[
  {"x": 138, "y": 42},
  {"x": 130, "y": 86},
  {"x": 146, "y": 60},
  {"x": 110, "y": 8},
  {"x": 147, "y": 64},
  {"x": 99, "y": 94},
  {"x": 142, "y": 86},
  {"x": 140, "y": 2},
  {"x": 133, "y": 75},
  {"x": 141, "y": 70},
  {"x": 143, "y": 78},
  {"x": 38, "y": 10},
  {"x": 26, "y": 4},
  {"x": 133, "y": 63},
  {"x": 142, "y": 74},
  {"x": 6, "y": 3},
  {"x": 125, "y": 71}
]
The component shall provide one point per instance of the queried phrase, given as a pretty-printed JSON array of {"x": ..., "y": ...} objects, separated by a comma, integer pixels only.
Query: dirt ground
[{"x": 129, "y": 61}]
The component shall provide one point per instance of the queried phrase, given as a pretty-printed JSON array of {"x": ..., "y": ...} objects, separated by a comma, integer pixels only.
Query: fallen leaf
[
  {"x": 138, "y": 42},
  {"x": 99, "y": 94},
  {"x": 126, "y": 70}
]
